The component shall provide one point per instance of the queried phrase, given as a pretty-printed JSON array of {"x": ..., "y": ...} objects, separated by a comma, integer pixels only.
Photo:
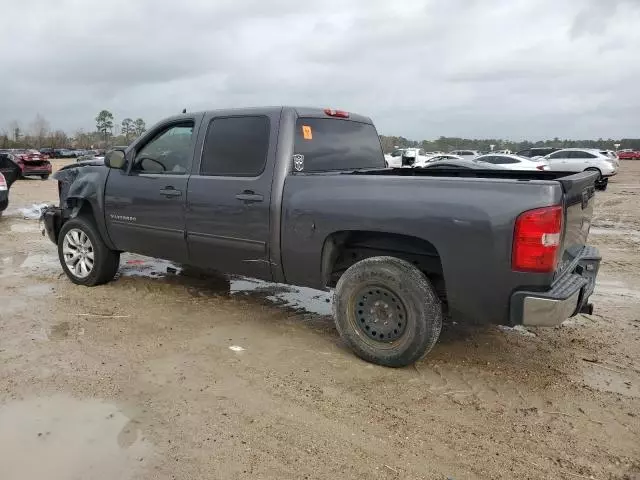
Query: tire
[
  {"x": 599, "y": 179},
  {"x": 382, "y": 283},
  {"x": 105, "y": 261},
  {"x": 44, "y": 177}
]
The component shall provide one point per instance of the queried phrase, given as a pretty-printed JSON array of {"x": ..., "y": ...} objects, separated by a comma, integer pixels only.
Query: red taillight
[
  {"x": 540, "y": 167},
  {"x": 336, "y": 113},
  {"x": 536, "y": 240}
]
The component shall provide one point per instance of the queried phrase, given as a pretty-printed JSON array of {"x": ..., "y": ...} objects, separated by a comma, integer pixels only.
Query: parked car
[
  {"x": 629, "y": 155},
  {"x": 424, "y": 161},
  {"x": 412, "y": 157},
  {"x": 466, "y": 154},
  {"x": 460, "y": 163},
  {"x": 31, "y": 163},
  {"x": 536, "y": 152},
  {"x": 394, "y": 159},
  {"x": 584, "y": 159},
  {"x": 301, "y": 196},
  {"x": 4, "y": 194},
  {"x": 9, "y": 167},
  {"x": 65, "y": 153},
  {"x": 513, "y": 162},
  {"x": 9, "y": 172},
  {"x": 48, "y": 153}
]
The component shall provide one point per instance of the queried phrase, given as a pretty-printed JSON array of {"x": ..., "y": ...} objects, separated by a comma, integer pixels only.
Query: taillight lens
[
  {"x": 3, "y": 183},
  {"x": 536, "y": 240},
  {"x": 541, "y": 167}
]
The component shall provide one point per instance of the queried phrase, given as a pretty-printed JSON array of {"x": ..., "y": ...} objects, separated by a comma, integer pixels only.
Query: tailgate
[{"x": 579, "y": 197}]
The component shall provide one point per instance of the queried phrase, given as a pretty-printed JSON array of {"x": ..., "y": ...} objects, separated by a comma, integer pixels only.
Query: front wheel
[
  {"x": 387, "y": 311},
  {"x": 83, "y": 254}
]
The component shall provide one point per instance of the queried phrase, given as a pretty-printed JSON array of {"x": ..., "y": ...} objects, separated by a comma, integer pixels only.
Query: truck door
[
  {"x": 228, "y": 198},
  {"x": 145, "y": 206}
]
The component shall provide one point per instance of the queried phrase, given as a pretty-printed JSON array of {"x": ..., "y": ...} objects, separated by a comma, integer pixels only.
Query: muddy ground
[{"x": 162, "y": 376}]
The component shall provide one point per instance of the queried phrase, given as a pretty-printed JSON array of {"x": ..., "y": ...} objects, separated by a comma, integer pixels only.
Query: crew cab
[{"x": 301, "y": 196}]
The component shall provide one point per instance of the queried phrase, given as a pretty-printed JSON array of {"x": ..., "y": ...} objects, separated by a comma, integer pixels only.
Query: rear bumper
[
  {"x": 4, "y": 200},
  {"x": 36, "y": 169},
  {"x": 568, "y": 296}
]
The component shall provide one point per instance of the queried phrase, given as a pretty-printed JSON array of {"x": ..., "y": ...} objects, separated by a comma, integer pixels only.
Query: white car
[
  {"x": 466, "y": 154},
  {"x": 438, "y": 157},
  {"x": 412, "y": 157},
  {"x": 581, "y": 159},
  {"x": 394, "y": 160},
  {"x": 513, "y": 162}
]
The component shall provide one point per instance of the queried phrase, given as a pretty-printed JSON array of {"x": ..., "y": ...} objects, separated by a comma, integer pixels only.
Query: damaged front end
[{"x": 76, "y": 183}]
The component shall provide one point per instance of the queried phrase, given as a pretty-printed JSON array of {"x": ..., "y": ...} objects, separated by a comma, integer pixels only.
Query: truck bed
[{"x": 469, "y": 173}]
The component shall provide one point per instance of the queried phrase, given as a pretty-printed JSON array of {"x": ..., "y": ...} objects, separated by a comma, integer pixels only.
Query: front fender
[{"x": 81, "y": 188}]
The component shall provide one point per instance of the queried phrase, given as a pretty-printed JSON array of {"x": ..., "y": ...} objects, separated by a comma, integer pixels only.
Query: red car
[
  {"x": 31, "y": 162},
  {"x": 628, "y": 155}
]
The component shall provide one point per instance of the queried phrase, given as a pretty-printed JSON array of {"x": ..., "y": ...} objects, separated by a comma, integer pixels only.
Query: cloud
[{"x": 421, "y": 69}]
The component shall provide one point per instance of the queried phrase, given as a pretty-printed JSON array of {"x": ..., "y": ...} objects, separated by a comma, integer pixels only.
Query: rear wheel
[
  {"x": 601, "y": 182},
  {"x": 44, "y": 177},
  {"x": 83, "y": 254},
  {"x": 387, "y": 311}
]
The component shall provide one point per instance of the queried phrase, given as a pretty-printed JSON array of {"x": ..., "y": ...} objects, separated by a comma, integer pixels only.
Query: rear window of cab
[{"x": 327, "y": 144}]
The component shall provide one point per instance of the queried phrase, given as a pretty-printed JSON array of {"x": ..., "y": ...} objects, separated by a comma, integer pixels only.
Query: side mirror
[{"x": 115, "y": 159}]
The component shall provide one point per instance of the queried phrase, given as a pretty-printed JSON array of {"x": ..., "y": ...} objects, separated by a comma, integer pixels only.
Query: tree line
[
  {"x": 108, "y": 132},
  {"x": 446, "y": 144},
  {"x": 39, "y": 134}
]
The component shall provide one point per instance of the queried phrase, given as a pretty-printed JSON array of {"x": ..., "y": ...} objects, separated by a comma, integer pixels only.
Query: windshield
[{"x": 328, "y": 144}]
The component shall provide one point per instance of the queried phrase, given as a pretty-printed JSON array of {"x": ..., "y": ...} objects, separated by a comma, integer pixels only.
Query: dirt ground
[{"x": 158, "y": 375}]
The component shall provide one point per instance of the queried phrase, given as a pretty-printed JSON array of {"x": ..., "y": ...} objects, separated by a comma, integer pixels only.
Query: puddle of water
[
  {"x": 300, "y": 298},
  {"x": 307, "y": 299},
  {"x": 60, "y": 438},
  {"x": 132, "y": 265},
  {"x": 607, "y": 379},
  {"x": 312, "y": 301}
]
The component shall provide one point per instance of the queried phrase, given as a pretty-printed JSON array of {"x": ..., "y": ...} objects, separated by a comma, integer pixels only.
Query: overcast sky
[{"x": 496, "y": 68}]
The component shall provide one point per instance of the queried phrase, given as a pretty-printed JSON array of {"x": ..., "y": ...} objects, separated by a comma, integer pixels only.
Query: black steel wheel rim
[{"x": 379, "y": 314}]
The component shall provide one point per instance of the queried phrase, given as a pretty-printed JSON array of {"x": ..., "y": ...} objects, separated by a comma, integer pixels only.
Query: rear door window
[
  {"x": 579, "y": 154},
  {"x": 328, "y": 144},
  {"x": 558, "y": 155},
  {"x": 236, "y": 147}
]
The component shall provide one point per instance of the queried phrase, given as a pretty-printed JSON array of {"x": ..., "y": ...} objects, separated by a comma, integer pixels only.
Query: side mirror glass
[{"x": 115, "y": 159}]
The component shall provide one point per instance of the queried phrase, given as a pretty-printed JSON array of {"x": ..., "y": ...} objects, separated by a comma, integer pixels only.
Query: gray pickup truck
[{"x": 302, "y": 196}]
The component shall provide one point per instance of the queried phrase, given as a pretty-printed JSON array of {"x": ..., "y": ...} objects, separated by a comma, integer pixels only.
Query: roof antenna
[{"x": 184, "y": 110}]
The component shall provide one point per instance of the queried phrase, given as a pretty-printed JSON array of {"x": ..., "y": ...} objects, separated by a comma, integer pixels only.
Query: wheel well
[
  {"x": 343, "y": 249},
  {"x": 78, "y": 207}
]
